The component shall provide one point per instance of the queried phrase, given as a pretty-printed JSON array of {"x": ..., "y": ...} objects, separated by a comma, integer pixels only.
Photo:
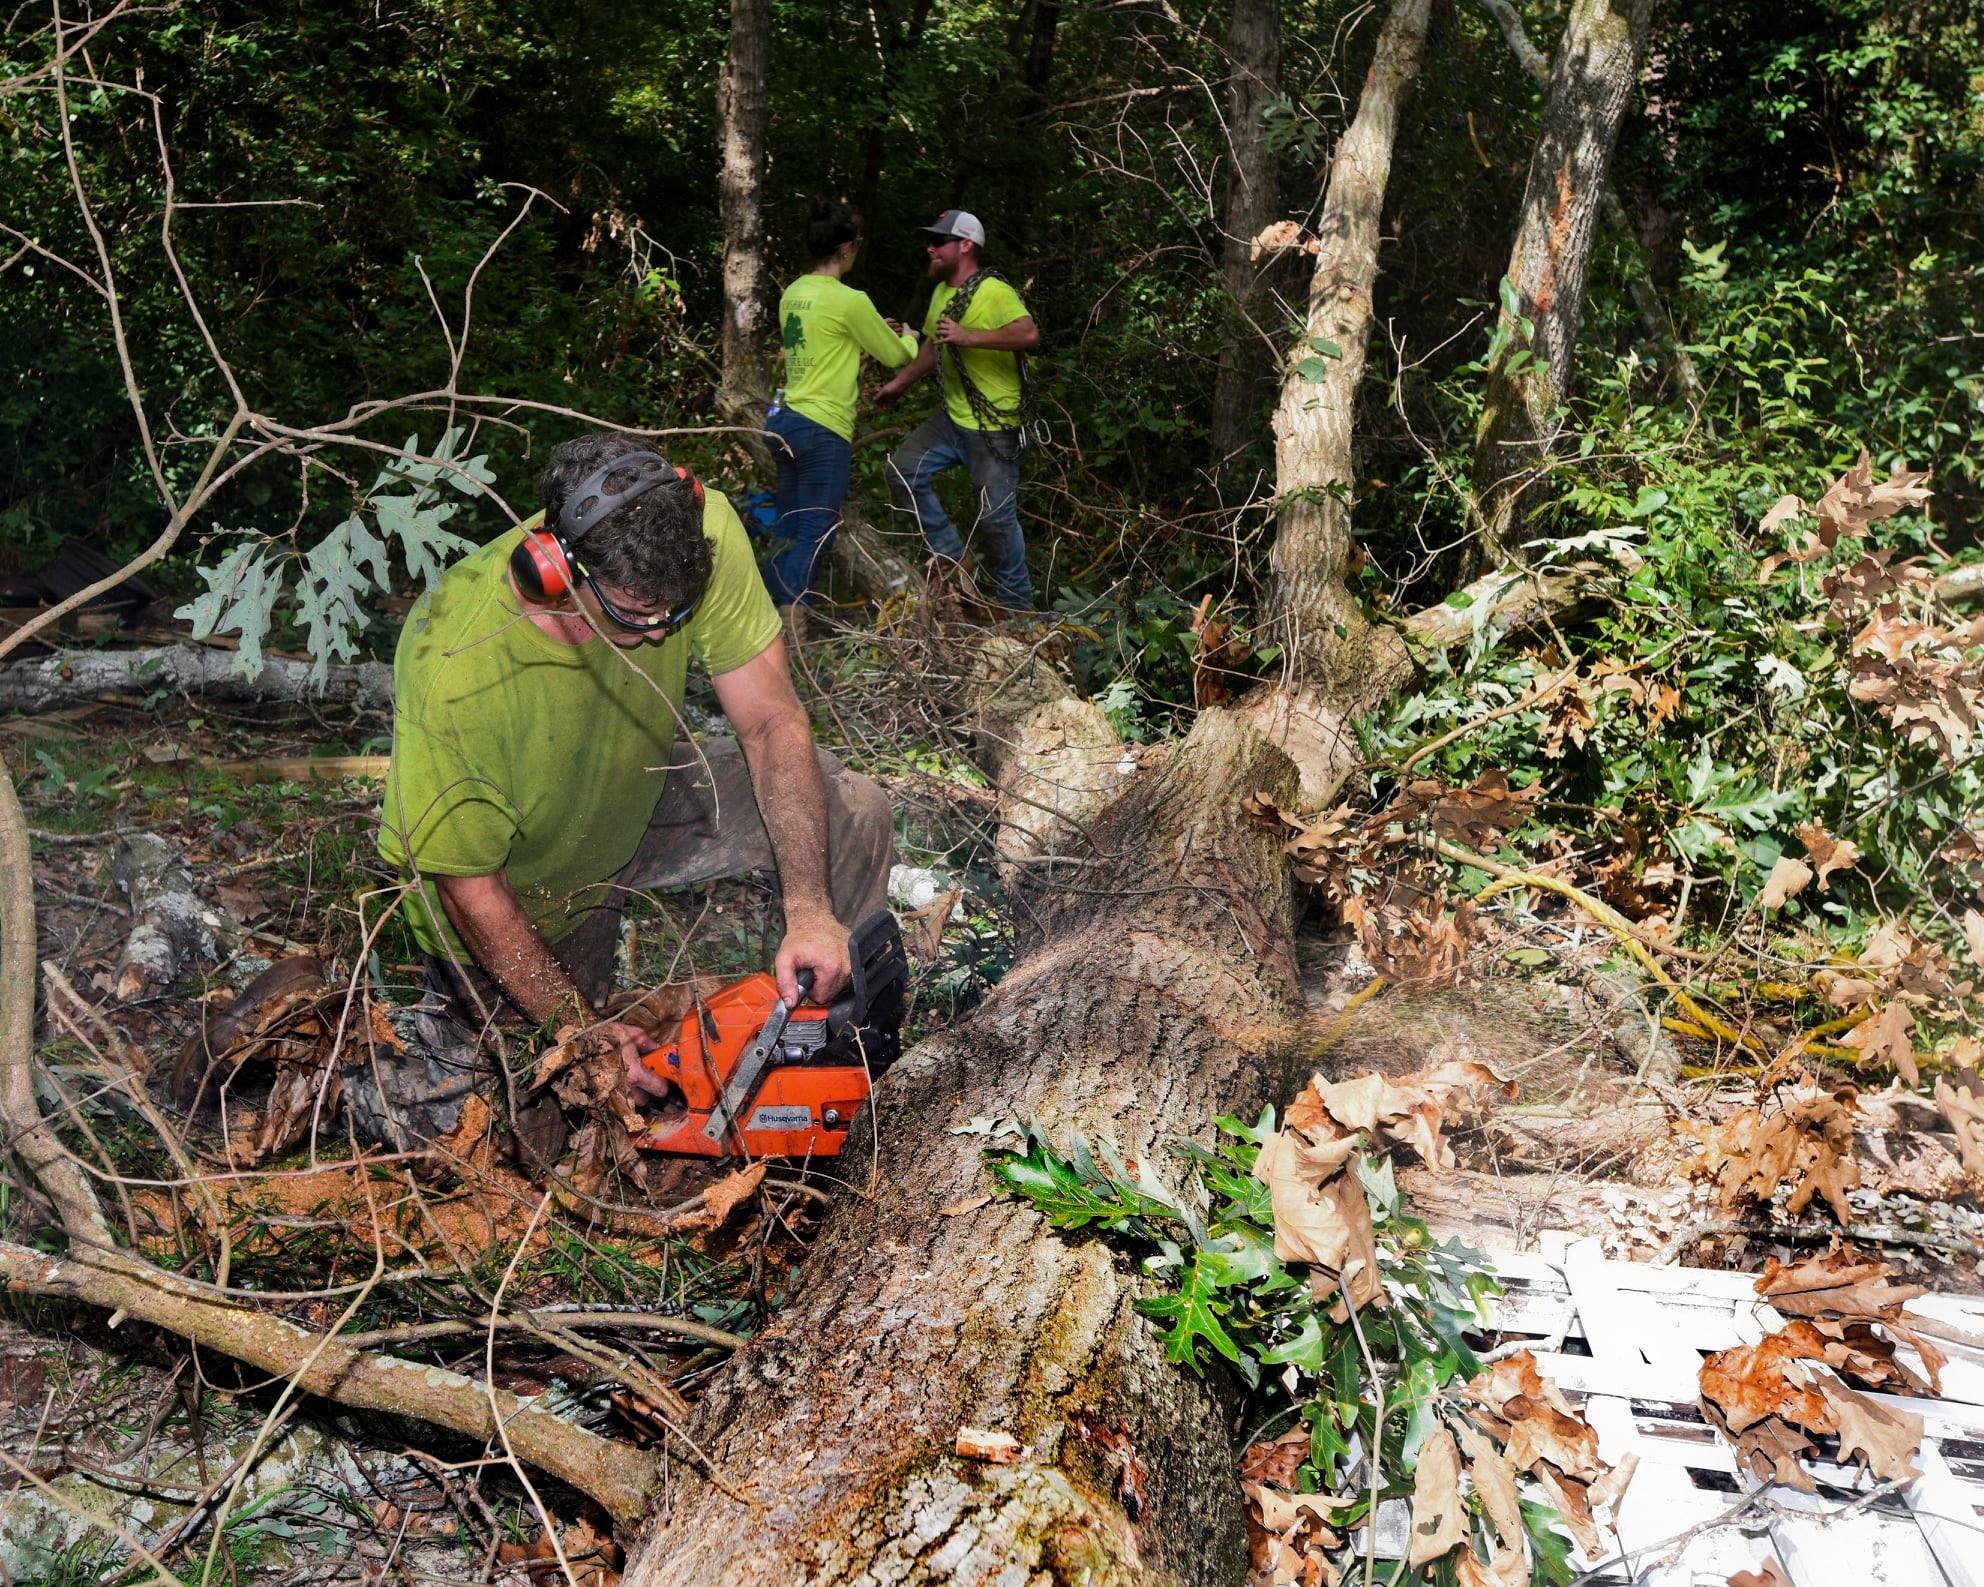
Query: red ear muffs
[{"x": 542, "y": 565}]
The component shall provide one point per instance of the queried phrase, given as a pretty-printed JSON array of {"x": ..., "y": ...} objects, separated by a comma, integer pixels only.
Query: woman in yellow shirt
[{"x": 825, "y": 326}]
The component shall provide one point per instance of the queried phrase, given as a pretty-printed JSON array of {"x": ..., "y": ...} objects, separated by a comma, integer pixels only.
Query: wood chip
[{"x": 981, "y": 1443}]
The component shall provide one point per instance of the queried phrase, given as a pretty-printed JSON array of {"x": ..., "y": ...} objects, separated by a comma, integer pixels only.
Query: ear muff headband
[{"x": 544, "y": 564}]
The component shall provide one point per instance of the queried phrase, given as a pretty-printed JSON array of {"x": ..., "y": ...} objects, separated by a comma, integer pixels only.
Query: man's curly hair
[{"x": 654, "y": 546}]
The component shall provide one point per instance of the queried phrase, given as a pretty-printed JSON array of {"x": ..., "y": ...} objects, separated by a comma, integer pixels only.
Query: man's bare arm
[
  {"x": 777, "y": 741},
  {"x": 1019, "y": 336},
  {"x": 499, "y": 936},
  {"x": 911, "y": 372}
]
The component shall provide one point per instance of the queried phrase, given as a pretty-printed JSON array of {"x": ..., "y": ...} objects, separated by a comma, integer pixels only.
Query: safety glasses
[{"x": 659, "y": 625}]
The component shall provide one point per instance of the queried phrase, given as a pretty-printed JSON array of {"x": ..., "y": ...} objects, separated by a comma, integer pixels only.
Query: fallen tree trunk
[
  {"x": 54, "y": 681},
  {"x": 1163, "y": 995}
]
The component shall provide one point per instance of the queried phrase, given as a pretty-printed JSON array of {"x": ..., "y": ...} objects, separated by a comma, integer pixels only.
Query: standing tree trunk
[
  {"x": 1646, "y": 296},
  {"x": 1591, "y": 82},
  {"x": 1336, "y": 660},
  {"x": 741, "y": 104},
  {"x": 1037, "y": 70},
  {"x": 1253, "y": 53}
]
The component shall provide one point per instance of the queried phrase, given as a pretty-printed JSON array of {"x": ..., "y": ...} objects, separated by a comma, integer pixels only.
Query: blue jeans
[
  {"x": 814, "y": 466},
  {"x": 994, "y": 464}
]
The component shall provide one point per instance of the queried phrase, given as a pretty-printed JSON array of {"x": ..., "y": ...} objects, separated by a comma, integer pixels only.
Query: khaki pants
[{"x": 705, "y": 827}]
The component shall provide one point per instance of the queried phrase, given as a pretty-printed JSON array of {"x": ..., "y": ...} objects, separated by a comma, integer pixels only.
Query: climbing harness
[{"x": 1029, "y": 428}]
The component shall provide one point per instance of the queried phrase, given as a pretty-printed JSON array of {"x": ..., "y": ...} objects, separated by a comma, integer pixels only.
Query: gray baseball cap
[{"x": 958, "y": 223}]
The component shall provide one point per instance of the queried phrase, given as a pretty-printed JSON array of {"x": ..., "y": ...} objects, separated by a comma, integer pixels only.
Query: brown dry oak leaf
[
  {"x": 1571, "y": 720},
  {"x": 1852, "y": 502},
  {"x": 926, "y": 926},
  {"x": 1572, "y": 1501},
  {"x": 1288, "y": 1536},
  {"x": 1800, "y": 1138},
  {"x": 1439, "y": 1523},
  {"x": 1973, "y": 935},
  {"x": 1494, "y": 1482},
  {"x": 1750, "y": 1383},
  {"x": 1787, "y": 879},
  {"x": 1509, "y": 1567},
  {"x": 723, "y": 1198},
  {"x": 1540, "y": 1422},
  {"x": 1886, "y": 1041},
  {"x": 1479, "y": 814},
  {"x": 1276, "y": 1460},
  {"x": 1843, "y": 1293},
  {"x": 1960, "y": 1100},
  {"x": 1884, "y": 1441},
  {"x": 1419, "y": 944},
  {"x": 1965, "y": 848},
  {"x": 1320, "y": 1214}
]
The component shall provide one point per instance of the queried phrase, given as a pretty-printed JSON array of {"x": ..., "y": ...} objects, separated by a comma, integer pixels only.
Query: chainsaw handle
[{"x": 805, "y": 980}]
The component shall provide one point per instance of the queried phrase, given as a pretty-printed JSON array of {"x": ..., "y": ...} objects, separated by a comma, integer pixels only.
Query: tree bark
[
  {"x": 1162, "y": 997},
  {"x": 1591, "y": 82},
  {"x": 1253, "y": 53},
  {"x": 1646, "y": 296},
  {"x": 741, "y": 117}
]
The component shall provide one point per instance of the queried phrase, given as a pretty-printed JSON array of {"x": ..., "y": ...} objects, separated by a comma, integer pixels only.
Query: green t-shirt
[
  {"x": 826, "y": 326},
  {"x": 997, "y": 375},
  {"x": 514, "y": 752}
]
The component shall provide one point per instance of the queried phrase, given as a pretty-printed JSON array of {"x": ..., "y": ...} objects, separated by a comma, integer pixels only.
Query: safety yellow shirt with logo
[
  {"x": 825, "y": 326},
  {"x": 517, "y": 753},
  {"x": 993, "y": 306}
]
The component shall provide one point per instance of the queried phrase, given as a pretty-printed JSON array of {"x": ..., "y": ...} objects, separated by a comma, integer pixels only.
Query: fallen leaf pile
[
  {"x": 1801, "y": 1138},
  {"x": 1925, "y": 676},
  {"x": 589, "y": 1551},
  {"x": 1320, "y": 1215},
  {"x": 1288, "y": 1533},
  {"x": 1769, "y": 1399},
  {"x": 1541, "y": 1436},
  {"x": 305, "y": 1028}
]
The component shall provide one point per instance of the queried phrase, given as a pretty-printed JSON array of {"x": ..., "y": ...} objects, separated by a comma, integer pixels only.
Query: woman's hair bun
[{"x": 833, "y": 224}]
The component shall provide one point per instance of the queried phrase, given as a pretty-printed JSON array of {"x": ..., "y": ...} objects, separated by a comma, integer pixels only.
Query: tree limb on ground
[
  {"x": 50, "y": 682},
  {"x": 617, "y": 1476}
]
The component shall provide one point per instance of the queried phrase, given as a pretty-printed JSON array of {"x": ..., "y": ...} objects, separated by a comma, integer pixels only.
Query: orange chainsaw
[{"x": 762, "y": 1080}]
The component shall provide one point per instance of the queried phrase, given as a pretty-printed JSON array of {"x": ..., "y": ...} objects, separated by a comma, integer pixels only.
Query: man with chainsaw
[
  {"x": 540, "y": 774},
  {"x": 977, "y": 335}
]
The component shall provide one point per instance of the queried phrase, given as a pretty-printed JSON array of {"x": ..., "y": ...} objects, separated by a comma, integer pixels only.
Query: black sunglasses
[{"x": 640, "y": 625}]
